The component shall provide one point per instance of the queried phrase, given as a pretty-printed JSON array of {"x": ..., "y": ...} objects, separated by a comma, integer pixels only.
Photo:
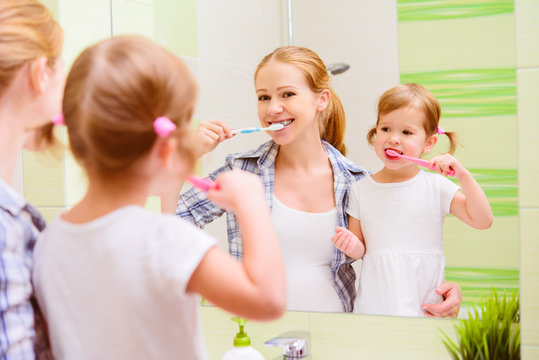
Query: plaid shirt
[
  {"x": 23, "y": 333},
  {"x": 194, "y": 206}
]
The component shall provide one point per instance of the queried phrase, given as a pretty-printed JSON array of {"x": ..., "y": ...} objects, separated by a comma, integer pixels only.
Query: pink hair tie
[
  {"x": 58, "y": 119},
  {"x": 163, "y": 126},
  {"x": 440, "y": 131}
]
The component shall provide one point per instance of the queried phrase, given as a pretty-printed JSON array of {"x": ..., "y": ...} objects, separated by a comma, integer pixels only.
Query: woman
[
  {"x": 31, "y": 88},
  {"x": 306, "y": 177}
]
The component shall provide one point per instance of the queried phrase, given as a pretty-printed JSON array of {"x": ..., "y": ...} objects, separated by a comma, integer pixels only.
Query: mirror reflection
[{"x": 464, "y": 56}]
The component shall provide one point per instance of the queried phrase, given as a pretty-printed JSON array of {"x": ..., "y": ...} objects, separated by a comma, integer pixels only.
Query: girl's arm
[
  {"x": 209, "y": 134},
  {"x": 350, "y": 241},
  {"x": 193, "y": 205},
  {"x": 471, "y": 205},
  {"x": 254, "y": 288}
]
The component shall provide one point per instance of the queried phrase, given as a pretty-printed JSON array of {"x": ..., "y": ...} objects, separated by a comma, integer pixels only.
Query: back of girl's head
[
  {"x": 27, "y": 31},
  {"x": 114, "y": 92},
  {"x": 405, "y": 95},
  {"x": 332, "y": 120}
]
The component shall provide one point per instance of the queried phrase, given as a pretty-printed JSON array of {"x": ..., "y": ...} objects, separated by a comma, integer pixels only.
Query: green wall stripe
[
  {"x": 474, "y": 282},
  {"x": 501, "y": 188},
  {"x": 447, "y": 46},
  {"x": 421, "y": 10},
  {"x": 472, "y": 92}
]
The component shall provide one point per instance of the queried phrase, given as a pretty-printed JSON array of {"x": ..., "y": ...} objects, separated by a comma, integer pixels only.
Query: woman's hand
[
  {"x": 210, "y": 133},
  {"x": 450, "y": 307}
]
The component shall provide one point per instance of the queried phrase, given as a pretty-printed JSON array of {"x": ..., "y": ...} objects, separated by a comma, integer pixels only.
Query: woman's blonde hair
[
  {"x": 332, "y": 120},
  {"x": 27, "y": 32},
  {"x": 114, "y": 92},
  {"x": 413, "y": 94}
]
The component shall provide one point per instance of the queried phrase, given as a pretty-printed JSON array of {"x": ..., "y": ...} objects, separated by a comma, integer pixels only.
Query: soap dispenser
[{"x": 242, "y": 349}]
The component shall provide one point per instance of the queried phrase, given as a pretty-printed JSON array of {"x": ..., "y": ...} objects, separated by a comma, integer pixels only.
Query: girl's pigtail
[
  {"x": 452, "y": 138},
  {"x": 452, "y": 141}
]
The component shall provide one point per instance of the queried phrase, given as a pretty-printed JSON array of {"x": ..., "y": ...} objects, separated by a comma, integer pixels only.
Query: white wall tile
[
  {"x": 528, "y": 107},
  {"x": 233, "y": 38},
  {"x": 362, "y": 34},
  {"x": 130, "y": 17},
  {"x": 84, "y": 23},
  {"x": 527, "y": 32}
]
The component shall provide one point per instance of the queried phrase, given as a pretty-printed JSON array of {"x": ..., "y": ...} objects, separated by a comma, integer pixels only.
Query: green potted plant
[{"x": 492, "y": 330}]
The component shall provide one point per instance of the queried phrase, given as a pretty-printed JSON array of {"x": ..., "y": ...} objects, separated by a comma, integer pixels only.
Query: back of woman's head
[
  {"x": 415, "y": 95},
  {"x": 114, "y": 92},
  {"x": 332, "y": 120},
  {"x": 28, "y": 31}
]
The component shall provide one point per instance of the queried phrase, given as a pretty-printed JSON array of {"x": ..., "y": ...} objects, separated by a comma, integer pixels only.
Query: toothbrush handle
[
  {"x": 425, "y": 163},
  {"x": 245, "y": 130},
  {"x": 202, "y": 183}
]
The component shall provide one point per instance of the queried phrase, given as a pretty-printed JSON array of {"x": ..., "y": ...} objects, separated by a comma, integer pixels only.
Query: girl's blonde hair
[
  {"x": 412, "y": 94},
  {"x": 114, "y": 92},
  {"x": 27, "y": 32},
  {"x": 332, "y": 120}
]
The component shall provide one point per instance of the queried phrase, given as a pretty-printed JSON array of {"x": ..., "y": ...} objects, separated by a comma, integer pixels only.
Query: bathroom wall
[
  {"x": 232, "y": 38},
  {"x": 527, "y": 69},
  {"x": 223, "y": 41},
  {"x": 465, "y": 55}
]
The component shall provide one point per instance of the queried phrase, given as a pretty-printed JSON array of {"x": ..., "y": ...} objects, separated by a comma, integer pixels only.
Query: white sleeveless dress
[
  {"x": 307, "y": 249},
  {"x": 403, "y": 228}
]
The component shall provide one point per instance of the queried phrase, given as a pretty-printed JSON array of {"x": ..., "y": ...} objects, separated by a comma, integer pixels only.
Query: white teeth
[{"x": 286, "y": 122}]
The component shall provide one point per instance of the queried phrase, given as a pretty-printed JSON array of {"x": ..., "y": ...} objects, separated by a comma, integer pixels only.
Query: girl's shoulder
[{"x": 136, "y": 225}]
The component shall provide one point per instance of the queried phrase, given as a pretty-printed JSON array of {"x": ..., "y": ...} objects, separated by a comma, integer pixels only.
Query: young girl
[
  {"x": 398, "y": 213},
  {"x": 31, "y": 87},
  {"x": 306, "y": 157},
  {"x": 114, "y": 280}
]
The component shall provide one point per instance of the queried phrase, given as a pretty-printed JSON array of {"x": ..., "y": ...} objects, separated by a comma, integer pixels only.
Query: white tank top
[{"x": 307, "y": 249}]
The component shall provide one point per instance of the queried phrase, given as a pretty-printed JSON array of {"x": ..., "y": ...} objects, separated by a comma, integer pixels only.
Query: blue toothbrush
[{"x": 247, "y": 130}]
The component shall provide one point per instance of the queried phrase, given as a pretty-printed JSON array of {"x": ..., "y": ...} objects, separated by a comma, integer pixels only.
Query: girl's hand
[
  {"x": 348, "y": 243},
  {"x": 210, "y": 133},
  {"x": 471, "y": 204},
  {"x": 445, "y": 163},
  {"x": 238, "y": 190}
]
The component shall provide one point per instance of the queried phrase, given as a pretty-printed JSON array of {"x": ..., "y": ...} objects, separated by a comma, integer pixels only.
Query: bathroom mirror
[{"x": 465, "y": 56}]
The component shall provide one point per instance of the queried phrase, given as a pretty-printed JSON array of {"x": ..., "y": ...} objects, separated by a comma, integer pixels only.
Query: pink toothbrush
[
  {"x": 419, "y": 162},
  {"x": 202, "y": 183}
]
